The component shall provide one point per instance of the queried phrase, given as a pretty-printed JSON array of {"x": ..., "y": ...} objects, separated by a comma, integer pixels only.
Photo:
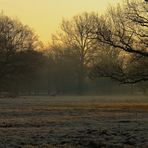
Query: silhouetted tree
[
  {"x": 62, "y": 70},
  {"x": 125, "y": 29},
  {"x": 15, "y": 38},
  {"x": 75, "y": 35},
  {"x": 28, "y": 71}
]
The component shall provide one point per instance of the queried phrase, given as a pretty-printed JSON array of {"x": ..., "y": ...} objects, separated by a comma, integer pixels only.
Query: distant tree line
[{"x": 89, "y": 53}]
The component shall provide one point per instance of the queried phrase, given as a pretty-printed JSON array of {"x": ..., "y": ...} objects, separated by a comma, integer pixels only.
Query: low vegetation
[{"x": 70, "y": 121}]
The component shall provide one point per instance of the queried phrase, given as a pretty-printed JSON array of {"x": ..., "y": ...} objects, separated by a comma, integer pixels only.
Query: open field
[{"x": 74, "y": 122}]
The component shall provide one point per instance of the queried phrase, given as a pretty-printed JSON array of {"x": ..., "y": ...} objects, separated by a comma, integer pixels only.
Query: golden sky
[{"x": 46, "y": 15}]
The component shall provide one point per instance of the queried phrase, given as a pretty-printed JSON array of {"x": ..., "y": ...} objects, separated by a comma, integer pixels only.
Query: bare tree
[
  {"x": 14, "y": 37},
  {"x": 136, "y": 70},
  {"x": 109, "y": 65},
  {"x": 62, "y": 69},
  {"x": 125, "y": 28},
  {"x": 76, "y": 35}
]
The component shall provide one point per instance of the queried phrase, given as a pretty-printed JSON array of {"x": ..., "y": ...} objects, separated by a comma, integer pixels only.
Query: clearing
[{"x": 74, "y": 122}]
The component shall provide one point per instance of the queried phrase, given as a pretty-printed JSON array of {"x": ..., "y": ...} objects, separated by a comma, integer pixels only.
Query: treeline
[{"x": 90, "y": 54}]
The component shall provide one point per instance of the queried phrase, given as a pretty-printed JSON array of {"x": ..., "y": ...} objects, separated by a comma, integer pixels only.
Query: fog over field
[{"x": 86, "y": 88}]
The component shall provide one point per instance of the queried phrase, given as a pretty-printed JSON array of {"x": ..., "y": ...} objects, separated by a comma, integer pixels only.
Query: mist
[{"x": 87, "y": 88}]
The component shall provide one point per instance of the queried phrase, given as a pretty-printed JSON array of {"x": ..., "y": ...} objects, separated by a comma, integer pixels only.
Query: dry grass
[{"x": 71, "y": 121}]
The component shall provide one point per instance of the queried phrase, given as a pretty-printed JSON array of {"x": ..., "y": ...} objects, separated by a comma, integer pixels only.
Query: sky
[{"x": 45, "y": 16}]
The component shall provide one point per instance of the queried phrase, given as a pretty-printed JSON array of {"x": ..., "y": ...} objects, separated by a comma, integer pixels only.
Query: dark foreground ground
[{"x": 74, "y": 122}]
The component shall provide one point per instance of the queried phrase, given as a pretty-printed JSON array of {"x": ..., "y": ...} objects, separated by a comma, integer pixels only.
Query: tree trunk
[{"x": 81, "y": 79}]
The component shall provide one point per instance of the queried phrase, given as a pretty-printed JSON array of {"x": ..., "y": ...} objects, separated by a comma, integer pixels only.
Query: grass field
[{"x": 74, "y": 122}]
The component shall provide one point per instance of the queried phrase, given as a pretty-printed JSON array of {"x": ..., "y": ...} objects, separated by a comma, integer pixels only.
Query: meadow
[{"x": 74, "y": 122}]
